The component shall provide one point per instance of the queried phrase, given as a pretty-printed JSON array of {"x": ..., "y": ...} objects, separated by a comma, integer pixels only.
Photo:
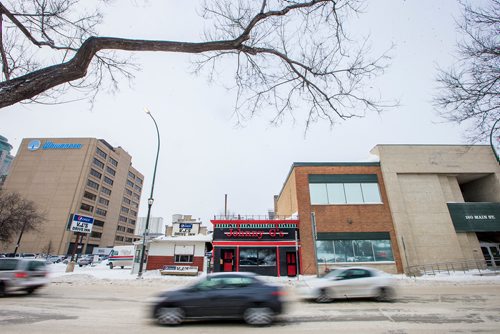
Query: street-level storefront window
[
  {"x": 335, "y": 251},
  {"x": 257, "y": 256}
]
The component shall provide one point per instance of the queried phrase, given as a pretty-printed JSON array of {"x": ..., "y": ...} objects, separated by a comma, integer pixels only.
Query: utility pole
[{"x": 314, "y": 235}]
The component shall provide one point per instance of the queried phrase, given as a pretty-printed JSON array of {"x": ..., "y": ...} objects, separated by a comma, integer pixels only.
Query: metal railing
[
  {"x": 255, "y": 217},
  {"x": 482, "y": 266}
]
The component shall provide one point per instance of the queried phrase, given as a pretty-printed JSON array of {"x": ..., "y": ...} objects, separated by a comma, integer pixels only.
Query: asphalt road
[{"x": 122, "y": 307}]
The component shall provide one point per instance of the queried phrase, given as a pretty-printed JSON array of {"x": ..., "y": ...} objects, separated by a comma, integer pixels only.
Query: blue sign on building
[
  {"x": 35, "y": 144},
  {"x": 82, "y": 224}
]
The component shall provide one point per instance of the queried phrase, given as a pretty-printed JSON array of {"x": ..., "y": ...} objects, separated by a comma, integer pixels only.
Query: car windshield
[{"x": 334, "y": 273}]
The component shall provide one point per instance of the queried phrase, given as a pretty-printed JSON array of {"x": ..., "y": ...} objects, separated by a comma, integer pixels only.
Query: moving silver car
[
  {"x": 347, "y": 283},
  {"x": 19, "y": 274}
]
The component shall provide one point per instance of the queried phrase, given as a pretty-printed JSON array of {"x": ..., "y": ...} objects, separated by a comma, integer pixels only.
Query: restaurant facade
[{"x": 269, "y": 247}]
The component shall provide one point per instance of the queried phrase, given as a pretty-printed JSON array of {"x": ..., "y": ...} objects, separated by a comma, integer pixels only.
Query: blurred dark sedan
[{"x": 221, "y": 296}]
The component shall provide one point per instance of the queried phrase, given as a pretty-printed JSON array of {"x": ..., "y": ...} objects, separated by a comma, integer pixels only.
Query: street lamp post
[{"x": 150, "y": 199}]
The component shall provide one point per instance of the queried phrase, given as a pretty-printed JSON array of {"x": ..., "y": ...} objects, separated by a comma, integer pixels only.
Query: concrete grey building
[
  {"x": 444, "y": 200},
  {"x": 5, "y": 158}
]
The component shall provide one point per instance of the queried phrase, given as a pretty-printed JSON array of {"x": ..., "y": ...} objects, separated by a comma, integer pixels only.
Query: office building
[{"x": 76, "y": 176}]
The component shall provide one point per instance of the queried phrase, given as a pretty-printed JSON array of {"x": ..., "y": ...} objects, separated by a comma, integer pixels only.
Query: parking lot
[{"x": 80, "y": 303}]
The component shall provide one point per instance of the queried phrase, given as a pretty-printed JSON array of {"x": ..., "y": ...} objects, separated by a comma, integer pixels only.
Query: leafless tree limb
[
  {"x": 286, "y": 53},
  {"x": 470, "y": 90},
  {"x": 16, "y": 214}
]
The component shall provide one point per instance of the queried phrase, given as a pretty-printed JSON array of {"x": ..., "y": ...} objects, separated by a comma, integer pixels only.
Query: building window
[
  {"x": 103, "y": 201},
  {"x": 128, "y": 239},
  {"x": 135, "y": 205},
  {"x": 136, "y": 196},
  {"x": 86, "y": 207},
  {"x": 92, "y": 184},
  {"x": 89, "y": 196},
  {"x": 108, "y": 180},
  {"x": 126, "y": 200},
  {"x": 138, "y": 180},
  {"x": 131, "y": 221},
  {"x": 110, "y": 170},
  {"x": 340, "y": 251},
  {"x": 98, "y": 163},
  {"x": 122, "y": 219},
  {"x": 184, "y": 258},
  {"x": 100, "y": 153},
  {"x": 137, "y": 188},
  {"x": 95, "y": 173},
  {"x": 257, "y": 256},
  {"x": 113, "y": 161},
  {"x": 119, "y": 238},
  {"x": 344, "y": 189},
  {"x": 124, "y": 209},
  {"x": 131, "y": 175},
  {"x": 130, "y": 230},
  {"x": 133, "y": 213},
  {"x": 101, "y": 212},
  {"x": 98, "y": 223},
  {"x": 106, "y": 191},
  {"x": 128, "y": 192},
  {"x": 94, "y": 234},
  {"x": 121, "y": 228},
  {"x": 130, "y": 183}
]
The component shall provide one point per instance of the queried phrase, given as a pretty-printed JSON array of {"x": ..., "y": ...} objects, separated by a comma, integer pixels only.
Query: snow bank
[{"x": 101, "y": 272}]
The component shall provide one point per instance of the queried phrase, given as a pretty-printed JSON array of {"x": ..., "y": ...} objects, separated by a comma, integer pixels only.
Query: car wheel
[
  {"x": 324, "y": 296},
  {"x": 385, "y": 294},
  {"x": 110, "y": 265},
  {"x": 258, "y": 316},
  {"x": 29, "y": 291},
  {"x": 2, "y": 290},
  {"x": 170, "y": 315},
  {"x": 122, "y": 267}
]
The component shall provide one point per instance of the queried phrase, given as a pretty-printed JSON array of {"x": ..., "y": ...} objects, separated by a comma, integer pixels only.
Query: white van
[{"x": 121, "y": 256}]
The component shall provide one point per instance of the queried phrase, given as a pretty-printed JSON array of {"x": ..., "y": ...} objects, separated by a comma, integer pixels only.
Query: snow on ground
[{"x": 101, "y": 272}]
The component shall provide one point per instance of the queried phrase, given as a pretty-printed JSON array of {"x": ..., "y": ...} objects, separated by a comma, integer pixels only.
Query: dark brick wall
[{"x": 336, "y": 218}]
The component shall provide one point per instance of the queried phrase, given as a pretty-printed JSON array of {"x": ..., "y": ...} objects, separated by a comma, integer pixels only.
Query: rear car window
[
  {"x": 36, "y": 265},
  {"x": 8, "y": 264}
]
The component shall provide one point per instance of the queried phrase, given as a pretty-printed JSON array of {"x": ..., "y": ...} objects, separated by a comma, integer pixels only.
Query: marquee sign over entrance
[{"x": 255, "y": 231}]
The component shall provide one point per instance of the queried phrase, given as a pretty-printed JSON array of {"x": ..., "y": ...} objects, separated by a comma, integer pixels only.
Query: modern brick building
[
  {"x": 420, "y": 205},
  {"x": 84, "y": 176},
  {"x": 352, "y": 216}
]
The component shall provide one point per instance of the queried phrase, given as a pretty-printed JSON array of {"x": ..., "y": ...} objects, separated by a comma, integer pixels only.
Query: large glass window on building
[
  {"x": 257, "y": 256},
  {"x": 348, "y": 248},
  {"x": 344, "y": 189}
]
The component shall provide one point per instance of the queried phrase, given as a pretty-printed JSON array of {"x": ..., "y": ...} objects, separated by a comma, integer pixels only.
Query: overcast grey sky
[{"x": 203, "y": 154}]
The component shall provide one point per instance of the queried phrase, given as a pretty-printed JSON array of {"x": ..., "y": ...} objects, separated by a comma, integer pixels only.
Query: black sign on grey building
[{"x": 475, "y": 217}]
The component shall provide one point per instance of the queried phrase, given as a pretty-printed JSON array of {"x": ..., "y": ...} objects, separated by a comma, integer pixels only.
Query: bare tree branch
[
  {"x": 470, "y": 90},
  {"x": 17, "y": 213},
  {"x": 286, "y": 53}
]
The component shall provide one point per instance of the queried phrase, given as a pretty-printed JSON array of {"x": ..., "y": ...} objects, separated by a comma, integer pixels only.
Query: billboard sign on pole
[{"x": 81, "y": 224}]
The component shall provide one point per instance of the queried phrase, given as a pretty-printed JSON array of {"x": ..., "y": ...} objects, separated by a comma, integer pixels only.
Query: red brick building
[{"x": 347, "y": 205}]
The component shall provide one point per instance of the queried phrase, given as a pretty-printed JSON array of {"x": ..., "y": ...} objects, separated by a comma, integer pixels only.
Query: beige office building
[
  {"x": 445, "y": 203},
  {"x": 76, "y": 176}
]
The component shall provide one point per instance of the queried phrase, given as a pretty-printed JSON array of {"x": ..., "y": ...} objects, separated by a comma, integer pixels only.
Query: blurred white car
[{"x": 346, "y": 283}]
